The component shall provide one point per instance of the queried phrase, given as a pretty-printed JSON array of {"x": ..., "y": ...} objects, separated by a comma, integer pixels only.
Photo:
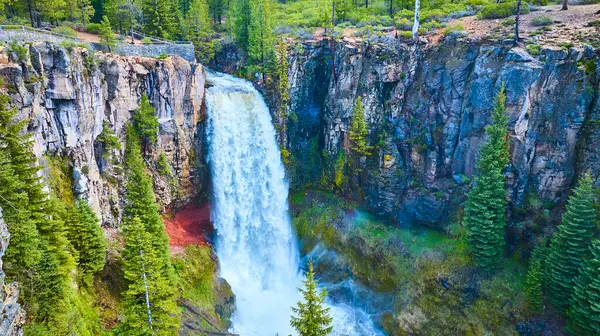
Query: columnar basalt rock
[
  {"x": 427, "y": 109},
  {"x": 67, "y": 95}
]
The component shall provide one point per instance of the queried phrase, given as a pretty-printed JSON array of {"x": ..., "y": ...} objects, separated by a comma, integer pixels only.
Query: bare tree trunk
[
  {"x": 415, "y": 29},
  {"x": 149, "y": 312},
  {"x": 565, "y": 5},
  {"x": 366, "y": 3},
  {"x": 517, "y": 23},
  {"x": 30, "y": 8}
]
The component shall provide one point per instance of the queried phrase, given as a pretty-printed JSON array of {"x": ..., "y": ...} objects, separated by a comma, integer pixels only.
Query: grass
[{"x": 541, "y": 21}]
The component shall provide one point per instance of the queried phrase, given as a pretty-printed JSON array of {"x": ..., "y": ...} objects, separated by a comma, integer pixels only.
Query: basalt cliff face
[
  {"x": 427, "y": 109},
  {"x": 67, "y": 96}
]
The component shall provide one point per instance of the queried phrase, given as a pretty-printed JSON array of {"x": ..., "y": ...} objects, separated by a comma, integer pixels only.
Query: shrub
[
  {"x": 146, "y": 40},
  {"x": 508, "y": 22},
  {"x": 533, "y": 49},
  {"x": 541, "y": 21},
  {"x": 501, "y": 10},
  {"x": 453, "y": 28},
  {"x": 404, "y": 24},
  {"x": 20, "y": 52},
  {"x": 65, "y": 30},
  {"x": 566, "y": 45},
  {"x": 405, "y": 34},
  {"x": 93, "y": 28}
]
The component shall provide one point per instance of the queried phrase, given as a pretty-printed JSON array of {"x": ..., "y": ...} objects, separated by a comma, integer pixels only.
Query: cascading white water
[{"x": 255, "y": 243}]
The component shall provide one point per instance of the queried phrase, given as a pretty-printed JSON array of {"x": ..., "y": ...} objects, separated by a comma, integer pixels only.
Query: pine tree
[
  {"x": 160, "y": 20},
  {"x": 534, "y": 283},
  {"x": 106, "y": 34},
  {"x": 584, "y": 313},
  {"x": 261, "y": 40},
  {"x": 85, "y": 235},
  {"x": 486, "y": 204},
  {"x": 238, "y": 21},
  {"x": 150, "y": 304},
  {"x": 313, "y": 319},
  {"x": 358, "y": 130},
  {"x": 145, "y": 123},
  {"x": 198, "y": 30},
  {"x": 570, "y": 245}
]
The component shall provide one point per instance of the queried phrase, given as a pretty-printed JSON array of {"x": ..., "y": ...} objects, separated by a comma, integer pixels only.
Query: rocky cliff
[
  {"x": 67, "y": 96},
  {"x": 427, "y": 109}
]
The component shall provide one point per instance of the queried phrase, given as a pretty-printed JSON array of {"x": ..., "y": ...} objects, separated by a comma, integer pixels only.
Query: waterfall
[{"x": 255, "y": 242}]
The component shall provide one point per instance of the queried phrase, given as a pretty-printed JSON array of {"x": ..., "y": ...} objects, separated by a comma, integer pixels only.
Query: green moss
[
  {"x": 195, "y": 272},
  {"x": 60, "y": 180}
]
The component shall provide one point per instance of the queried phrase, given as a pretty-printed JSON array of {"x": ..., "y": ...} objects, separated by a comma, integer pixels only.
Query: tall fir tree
[
  {"x": 106, "y": 34},
  {"x": 145, "y": 123},
  {"x": 534, "y": 279},
  {"x": 584, "y": 312},
  {"x": 150, "y": 303},
  {"x": 198, "y": 30},
  {"x": 283, "y": 83},
  {"x": 238, "y": 21},
  {"x": 86, "y": 237},
  {"x": 485, "y": 210},
  {"x": 312, "y": 318},
  {"x": 358, "y": 130},
  {"x": 570, "y": 244},
  {"x": 160, "y": 19},
  {"x": 261, "y": 39}
]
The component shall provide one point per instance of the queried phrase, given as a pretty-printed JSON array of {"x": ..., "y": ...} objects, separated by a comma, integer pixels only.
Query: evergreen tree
[
  {"x": 313, "y": 319},
  {"x": 85, "y": 235},
  {"x": 261, "y": 40},
  {"x": 281, "y": 71},
  {"x": 150, "y": 303},
  {"x": 570, "y": 245},
  {"x": 141, "y": 202},
  {"x": 238, "y": 21},
  {"x": 106, "y": 34},
  {"x": 486, "y": 205},
  {"x": 358, "y": 130},
  {"x": 145, "y": 123},
  {"x": 198, "y": 30},
  {"x": 159, "y": 18},
  {"x": 534, "y": 283},
  {"x": 584, "y": 313},
  {"x": 216, "y": 9}
]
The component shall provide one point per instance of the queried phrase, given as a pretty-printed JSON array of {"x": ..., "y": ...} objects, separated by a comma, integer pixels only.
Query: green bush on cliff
[
  {"x": 486, "y": 205},
  {"x": 570, "y": 245}
]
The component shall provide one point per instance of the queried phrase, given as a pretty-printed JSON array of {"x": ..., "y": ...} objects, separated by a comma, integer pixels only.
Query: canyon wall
[
  {"x": 67, "y": 96},
  {"x": 427, "y": 109}
]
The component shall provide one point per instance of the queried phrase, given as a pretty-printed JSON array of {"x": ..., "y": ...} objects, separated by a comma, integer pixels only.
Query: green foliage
[
  {"x": 93, "y": 28},
  {"x": 146, "y": 40},
  {"x": 145, "y": 123},
  {"x": 109, "y": 140},
  {"x": 570, "y": 245},
  {"x": 19, "y": 51},
  {"x": 312, "y": 318},
  {"x": 195, "y": 271},
  {"x": 65, "y": 30},
  {"x": 454, "y": 28},
  {"x": 106, "y": 34},
  {"x": 261, "y": 39},
  {"x": 339, "y": 179},
  {"x": 486, "y": 205},
  {"x": 584, "y": 312},
  {"x": 86, "y": 237},
  {"x": 61, "y": 181},
  {"x": 281, "y": 73},
  {"x": 541, "y": 21},
  {"x": 199, "y": 29},
  {"x": 534, "y": 282},
  {"x": 150, "y": 306},
  {"x": 358, "y": 130},
  {"x": 160, "y": 18},
  {"x": 501, "y": 10},
  {"x": 533, "y": 49}
]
